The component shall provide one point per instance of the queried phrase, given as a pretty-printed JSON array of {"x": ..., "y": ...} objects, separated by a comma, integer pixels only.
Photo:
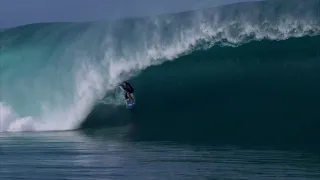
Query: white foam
[{"x": 10, "y": 121}]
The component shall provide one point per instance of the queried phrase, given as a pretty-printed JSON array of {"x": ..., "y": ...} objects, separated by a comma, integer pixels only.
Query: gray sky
[{"x": 19, "y": 12}]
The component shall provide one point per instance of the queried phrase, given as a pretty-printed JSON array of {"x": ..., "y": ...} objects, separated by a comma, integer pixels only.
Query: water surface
[{"x": 110, "y": 155}]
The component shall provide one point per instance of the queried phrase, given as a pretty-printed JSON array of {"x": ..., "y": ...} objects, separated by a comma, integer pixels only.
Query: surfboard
[{"x": 130, "y": 105}]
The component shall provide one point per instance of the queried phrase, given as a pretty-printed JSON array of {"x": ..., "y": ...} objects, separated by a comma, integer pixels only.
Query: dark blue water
[{"x": 110, "y": 155}]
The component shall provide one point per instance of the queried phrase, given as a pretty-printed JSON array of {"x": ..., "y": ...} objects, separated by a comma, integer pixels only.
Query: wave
[
  {"x": 262, "y": 91},
  {"x": 54, "y": 75}
]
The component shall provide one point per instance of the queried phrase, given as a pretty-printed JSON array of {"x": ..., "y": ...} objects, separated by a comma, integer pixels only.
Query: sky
[{"x": 20, "y": 12}]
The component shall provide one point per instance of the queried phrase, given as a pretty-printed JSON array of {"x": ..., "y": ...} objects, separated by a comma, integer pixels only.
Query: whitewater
[{"x": 53, "y": 74}]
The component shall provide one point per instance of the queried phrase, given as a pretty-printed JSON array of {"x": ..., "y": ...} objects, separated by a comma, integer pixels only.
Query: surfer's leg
[
  {"x": 126, "y": 96},
  {"x": 130, "y": 97}
]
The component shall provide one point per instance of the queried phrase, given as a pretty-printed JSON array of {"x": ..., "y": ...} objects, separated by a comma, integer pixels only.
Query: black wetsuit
[{"x": 128, "y": 88}]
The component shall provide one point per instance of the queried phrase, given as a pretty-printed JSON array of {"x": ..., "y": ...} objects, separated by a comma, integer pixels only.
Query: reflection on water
[{"x": 72, "y": 155}]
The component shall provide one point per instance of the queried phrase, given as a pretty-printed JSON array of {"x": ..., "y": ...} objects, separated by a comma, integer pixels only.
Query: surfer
[{"x": 129, "y": 89}]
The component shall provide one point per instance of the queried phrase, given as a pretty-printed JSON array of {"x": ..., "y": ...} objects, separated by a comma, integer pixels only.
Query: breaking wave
[{"x": 59, "y": 76}]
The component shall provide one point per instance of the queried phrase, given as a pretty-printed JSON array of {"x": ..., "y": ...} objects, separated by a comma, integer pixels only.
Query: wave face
[
  {"x": 261, "y": 92},
  {"x": 233, "y": 68}
]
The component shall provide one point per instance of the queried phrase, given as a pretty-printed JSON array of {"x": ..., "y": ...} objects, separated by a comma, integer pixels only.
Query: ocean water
[
  {"x": 110, "y": 155},
  {"x": 230, "y": 92}
]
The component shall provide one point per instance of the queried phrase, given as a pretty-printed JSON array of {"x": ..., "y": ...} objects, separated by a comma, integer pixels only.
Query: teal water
[
  {"x": 55, "y": 75},
  {"x": 110, "y": 155}
]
